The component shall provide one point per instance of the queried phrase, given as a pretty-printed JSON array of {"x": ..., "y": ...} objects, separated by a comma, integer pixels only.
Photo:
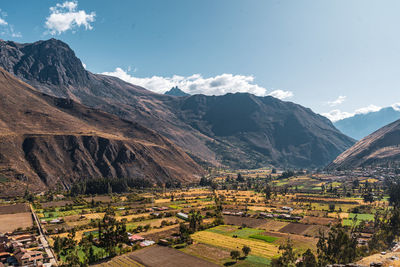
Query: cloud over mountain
[
  {"x": 197, "y": 84},
  {"x": 65, "y": 16}
]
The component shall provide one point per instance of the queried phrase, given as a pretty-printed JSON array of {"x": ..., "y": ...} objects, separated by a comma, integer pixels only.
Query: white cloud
[
  {"x": 3, "y": 22},
  {"x": 337, "y": 101},
  {"x": 396, "y": 106},
  {"x": 6, "y": 28},
  {"x": 281, "y": 94},
  {"x": 84, "y": 65},
  {"x": 197, "y": 84},
  {"x": 368, "y": 109},
  {"x": 336, "y": 114},
  {"x": 65, "y": 16}
]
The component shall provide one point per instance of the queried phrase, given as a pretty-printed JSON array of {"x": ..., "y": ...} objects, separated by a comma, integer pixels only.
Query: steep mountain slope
[
  {"x": 361, "y": 125},
  {"x": 379, "y": 148},
  {"x": 47, "y": 142},
  {"x": 52, "y": 67},
  {"x": 238, "y": 130},
  {"x": 175, "y": 91},
  {"x": 264, "y": 129}
]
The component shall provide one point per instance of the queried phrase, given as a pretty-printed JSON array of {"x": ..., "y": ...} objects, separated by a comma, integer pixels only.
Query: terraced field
[
  {"x": 121, "y": 261},
  {"x": 259, "y": 248}
]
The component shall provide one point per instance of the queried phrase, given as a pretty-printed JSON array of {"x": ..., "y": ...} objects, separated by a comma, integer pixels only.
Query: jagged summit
[{"x": 175, "y": 91}]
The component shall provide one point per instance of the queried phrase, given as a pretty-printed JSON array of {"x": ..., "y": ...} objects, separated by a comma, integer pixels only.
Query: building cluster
[
  {"x": 138, "y": 239},
  {"x": 379, "y": 173},
  {"x": 282, "y": 213},
  {"x": 21, "y": 250}
]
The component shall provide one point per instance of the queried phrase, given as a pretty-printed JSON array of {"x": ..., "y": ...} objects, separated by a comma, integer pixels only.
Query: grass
[
  {"x": 282, "y": 182},
  {"x": 265, "y": 238},
  {"x": 360, "y": 217},
  {"x": 335, "y": 184},
  {"x": 229, "y": 230},
  {"x": 57, "y": 213},
  {"x": 95, "y": 233},
  {"x": 175, "y": 207},
  {"x": 254, "y": 261},
  {"x": 246, "y": 232},
  {"x": 3, "y": 179},
  {"x": 223, "y": 229},
  {"x": 81, "y": 254}
]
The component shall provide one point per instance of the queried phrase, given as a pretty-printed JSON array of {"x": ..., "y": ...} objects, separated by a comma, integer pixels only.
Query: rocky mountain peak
[
  {"x": 49, "y": 62},
  {"x": 176, "y": 91}
]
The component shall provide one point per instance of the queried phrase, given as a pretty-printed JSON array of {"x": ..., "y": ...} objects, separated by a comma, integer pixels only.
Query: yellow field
[
  {"x": 156, "y": 230},
  {"x": 162, "y": 200},
  {"x": 74, "y": 220},
  {"x": 258, "y": 208},
  {"x": 192, "y": 191},
  {"x": 78, "y": 234},
  {"x": 132, "y": 216},
  {"x": 120, "y": 261},
  {"x": 261, "y": 248},
  {"x": 300, "y": 178},
  {"x": 370, "y": 180},
  {"x": 273, "y": 225},
  {"x": 95, "y": 215},
  {"x": 342, "y": 215}
]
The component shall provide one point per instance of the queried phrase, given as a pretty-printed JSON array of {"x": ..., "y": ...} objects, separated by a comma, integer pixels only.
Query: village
[{"x": 240, "y": 218}]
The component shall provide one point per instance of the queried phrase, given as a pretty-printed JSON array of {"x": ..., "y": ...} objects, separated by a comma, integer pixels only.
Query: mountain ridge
[
  {"x": 379, "y": 148},
  {"x": 200, "y": 130}
]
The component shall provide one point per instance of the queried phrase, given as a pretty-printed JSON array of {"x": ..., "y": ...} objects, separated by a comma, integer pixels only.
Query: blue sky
[{"x": 341, "y": 56}]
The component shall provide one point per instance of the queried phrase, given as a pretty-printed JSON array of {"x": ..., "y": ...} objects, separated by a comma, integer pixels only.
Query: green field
[
  {"x": 265, "y": 238},
  {"x": 246, "y": 232},
  {"x": 360, "y": 217},
  {"x": 50, "y": 215},
  {"x": 234, "y": 231},
  {"x": 3, "y": 179},
  {"x": 253, "y": 261},
  {"x": 81, "y": 254}
]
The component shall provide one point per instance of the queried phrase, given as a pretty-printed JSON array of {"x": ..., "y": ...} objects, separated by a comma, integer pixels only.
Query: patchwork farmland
[{"x": 203, "y": 226}]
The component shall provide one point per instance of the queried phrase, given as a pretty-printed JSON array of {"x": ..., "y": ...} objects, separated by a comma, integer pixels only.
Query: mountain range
[
  {"x": 235, "y": 130},
  {"x": 361, "y": 125},
  {"x": 381, "y": 148},
  {"x": 51, "y": 142}
]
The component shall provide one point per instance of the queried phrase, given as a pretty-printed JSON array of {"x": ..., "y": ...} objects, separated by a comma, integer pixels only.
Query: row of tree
[
  {"x": 108, "y": 186},
  {"x": 338, "y": 247}
]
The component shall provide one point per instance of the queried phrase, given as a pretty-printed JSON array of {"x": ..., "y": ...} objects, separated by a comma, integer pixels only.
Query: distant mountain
[
  {"x": 49, "y": 142},
  {"x": 237, "y": 130},
  {"x": 263, "y": 129},
  {"x": 175, "y": 91},
  {"x": 361, "y": 125},
  {"x": 380, "y": 148}
]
